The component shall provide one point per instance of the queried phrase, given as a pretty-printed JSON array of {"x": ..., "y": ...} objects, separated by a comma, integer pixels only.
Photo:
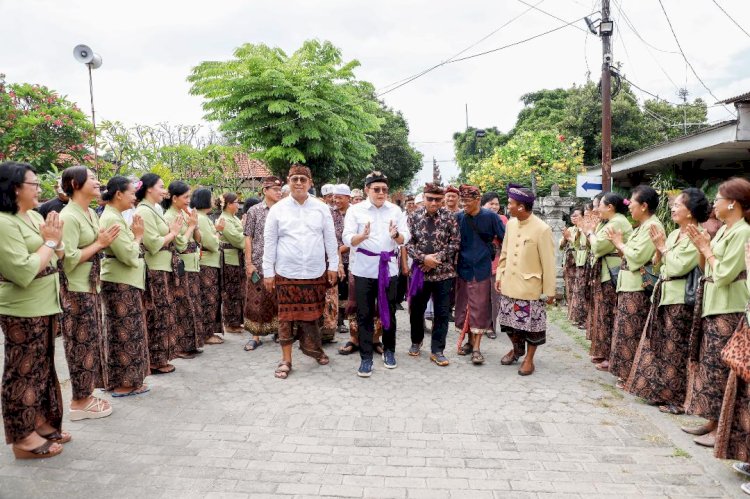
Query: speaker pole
[{"x": 93, "y": 117}]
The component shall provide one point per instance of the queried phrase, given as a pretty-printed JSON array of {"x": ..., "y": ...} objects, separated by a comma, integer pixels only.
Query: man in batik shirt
[
  {"x": 260, "y": 306},
  {"x": 434, "y": 243}
]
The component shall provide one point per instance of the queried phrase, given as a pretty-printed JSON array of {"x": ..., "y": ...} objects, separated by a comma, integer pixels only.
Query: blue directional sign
[{"x": 588, "y": 186}]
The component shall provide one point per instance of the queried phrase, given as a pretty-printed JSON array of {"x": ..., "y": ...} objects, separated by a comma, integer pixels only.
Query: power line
[
  {"x": 519, "y": 42},
  {"x": 692, "y": 69},
  {"x": 549, "y": 14},
  {"x": 648, "y": 46},
  {"x": 427, "y": 70},
  {"x": 730, "y": 17}
]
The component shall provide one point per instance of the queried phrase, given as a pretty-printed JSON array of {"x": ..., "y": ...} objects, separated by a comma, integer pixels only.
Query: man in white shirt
[
  {"x": 298, "y": 237},
  {"x": 374, "y": 229}
]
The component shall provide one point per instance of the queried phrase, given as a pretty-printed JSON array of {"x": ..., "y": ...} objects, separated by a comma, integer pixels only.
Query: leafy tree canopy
[
  {"x": 40, "y": 127},
  {"x": 547, "y": 156},
  {"x": 307, "y": 107},
  {"x": 394, "y": 156},
  {"x": 470, "y": 149},
  {"x": 576, "y": 112}
]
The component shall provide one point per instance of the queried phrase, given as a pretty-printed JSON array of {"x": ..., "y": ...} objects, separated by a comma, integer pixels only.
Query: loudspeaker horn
[
  {"x": 83, "y": 53},
  {"x": 96, "y": 62}
]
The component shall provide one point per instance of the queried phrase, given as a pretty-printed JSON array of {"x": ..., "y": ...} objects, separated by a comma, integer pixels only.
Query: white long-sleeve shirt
[
  {"x": 357, "y": 216},
  {"x": 297, "y": 238}
]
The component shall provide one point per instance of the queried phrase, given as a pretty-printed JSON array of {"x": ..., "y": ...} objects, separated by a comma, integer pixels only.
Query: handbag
[
  {"x": 614, "y": 273},
  {"x": 692, "y": 281},
  {"x": 648, "y": 279},
  {"x": 736, "y": 353}
]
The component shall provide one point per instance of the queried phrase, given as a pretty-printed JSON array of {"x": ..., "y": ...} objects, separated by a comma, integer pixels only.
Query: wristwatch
[{"x": 50, "y": 244}]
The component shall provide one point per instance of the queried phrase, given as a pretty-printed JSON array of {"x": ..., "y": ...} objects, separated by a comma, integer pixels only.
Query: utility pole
[
  {"x": 605, "y": 31},
  {"x": 467, "y": 115},
  {"x": 683, "y": 93}
]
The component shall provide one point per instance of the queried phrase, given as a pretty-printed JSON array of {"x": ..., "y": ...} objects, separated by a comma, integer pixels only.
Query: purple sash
[
  {"x": 384, "y": 280},
  {"x": 417, "y": 279}
]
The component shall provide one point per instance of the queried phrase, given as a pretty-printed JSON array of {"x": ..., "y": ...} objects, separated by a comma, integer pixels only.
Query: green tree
[
  {"x": 543, "y": 110},
  {"x": 307, "y": 107},
  {"x": 547, "y": 156},
  {"x": 471, "y": 149},
  {"x": 665, "y": 121},
  {"x": 40, "y": 127},
  {"x": 394, "y": 157}
]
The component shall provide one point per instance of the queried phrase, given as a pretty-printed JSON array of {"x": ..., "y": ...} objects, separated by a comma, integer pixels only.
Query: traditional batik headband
[
  {"x": 430, "y": 188},
  {"x": 520, "y": 194},
  {"x": 271, "y": 182},
  {"x": 375, "y": 176},
  {"x": 451, "y": 188},
  {"x": 468, "y": 191},
  {"x": 298, "y": 169}
]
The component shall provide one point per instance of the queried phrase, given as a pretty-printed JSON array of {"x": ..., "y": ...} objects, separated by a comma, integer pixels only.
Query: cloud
[{"x": 150, "y": 47}]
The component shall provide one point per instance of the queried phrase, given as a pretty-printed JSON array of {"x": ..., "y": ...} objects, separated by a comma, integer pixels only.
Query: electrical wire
[
  {"x": 692, "y": 69},
  {"x": 648, "y": 46},
  {"x": 427, "y": 70},
  {"x": 730, "y": 17}
]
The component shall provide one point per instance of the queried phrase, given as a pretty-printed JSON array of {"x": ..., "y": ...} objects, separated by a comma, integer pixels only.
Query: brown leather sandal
[
  {"x": 283, "y": 369},
  {"x": 323, "y": 360},
  {"x": 41, "y": 452},
  {"x": 58, "y": 437}
]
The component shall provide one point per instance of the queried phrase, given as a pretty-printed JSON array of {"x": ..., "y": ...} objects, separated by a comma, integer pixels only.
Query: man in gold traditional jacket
[{"x": 525, "y": 279}]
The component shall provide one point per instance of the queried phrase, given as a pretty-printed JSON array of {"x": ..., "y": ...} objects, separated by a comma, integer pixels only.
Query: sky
[{"x": 149, "y": 48}]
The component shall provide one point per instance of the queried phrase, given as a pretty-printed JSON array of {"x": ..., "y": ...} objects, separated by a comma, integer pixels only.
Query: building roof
[
  {"x": 714, "y": 145},
  {"x": 736, "y": 98},
  {"x": 249, "y": 168}
]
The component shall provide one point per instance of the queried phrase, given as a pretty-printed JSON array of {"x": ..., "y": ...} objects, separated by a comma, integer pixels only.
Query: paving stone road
[{"x": 222, "y": 426}]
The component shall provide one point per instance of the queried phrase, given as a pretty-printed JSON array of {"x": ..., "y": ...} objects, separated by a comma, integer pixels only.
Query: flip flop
[
  {"x": 351, "y": 346},
  {"x": 252, "y": 345},
  {"x": 58, "y": 437},
  {"x": 134, "y": 391},
  {"x": 165, "y": 370}
]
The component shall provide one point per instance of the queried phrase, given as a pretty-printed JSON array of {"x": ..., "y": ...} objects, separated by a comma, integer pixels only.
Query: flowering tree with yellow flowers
[{"x": 549, "y": 156}]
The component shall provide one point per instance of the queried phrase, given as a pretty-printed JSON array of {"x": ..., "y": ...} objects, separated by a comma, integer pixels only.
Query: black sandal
[
  {"x": 349, "y": 348},
  {"x": 169, "y": 368}
]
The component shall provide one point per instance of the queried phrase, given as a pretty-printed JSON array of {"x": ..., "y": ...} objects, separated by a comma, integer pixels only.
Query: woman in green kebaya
[
  {"x": 233, "y": 277},
  {"x": 123, "y": 277},
  {"x": 210, "y": 265},
  {"x": 82, "y": 325},
  {"x": 187, "y": 294},
  {"x": 632, "y": 298},
  {"x": 29, "y": 311},
  {"x": 660, "y": 368},
  {"x": 725, "y": 296},
  {"x": 163, "y": 269}
]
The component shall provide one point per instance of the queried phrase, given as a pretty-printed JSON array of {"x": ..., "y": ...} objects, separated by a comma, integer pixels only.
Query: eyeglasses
[
  {"x": 378, "y": 190},
  {"x": 719, "y": 198},
  {"x": 300, "y": 179},
  {"x": 35, "y": 184},
  {"x": 430, "y": 199}
]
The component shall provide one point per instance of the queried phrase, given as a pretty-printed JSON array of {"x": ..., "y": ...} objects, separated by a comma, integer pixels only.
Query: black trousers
[
  {"x": 440, "y": 292},
  {"x": 343, "y": 294},
  {"x": 367, "y": 293}
]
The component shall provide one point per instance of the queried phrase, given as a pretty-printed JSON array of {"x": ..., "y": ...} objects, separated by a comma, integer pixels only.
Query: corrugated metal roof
[
  {"x": 661, "y": 144},
  {"x": 737, "y": 98}
]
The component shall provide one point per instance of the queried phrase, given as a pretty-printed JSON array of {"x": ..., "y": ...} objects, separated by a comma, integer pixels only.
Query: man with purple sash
[
  {"x": 374, "y": 229},
  {"x": 433, "y": 246}
]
